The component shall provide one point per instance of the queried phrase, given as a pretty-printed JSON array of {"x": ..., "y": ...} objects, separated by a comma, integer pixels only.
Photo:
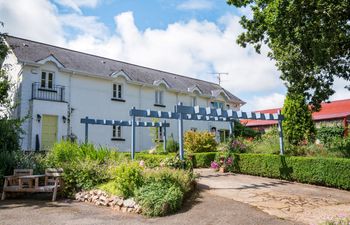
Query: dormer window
[
  {"x": 194, "y": 101},
  {"x": 47, "y": 80},
  {"x": 217, "y": 105}
]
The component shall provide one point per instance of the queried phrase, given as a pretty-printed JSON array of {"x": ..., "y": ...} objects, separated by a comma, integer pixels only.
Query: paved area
[
  {"x": 206, "y": 209},
  {"x": 303, "y": 203}
]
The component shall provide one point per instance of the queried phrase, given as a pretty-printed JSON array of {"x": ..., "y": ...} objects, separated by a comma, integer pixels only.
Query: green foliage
[
  {"x": 203, "y": 160},
  {"x": 172, "y": 145},
  {"x": 332, "y": 172},
  {"x": 267, "y": 144},
  {"x": 309, "y": 40},
  {"x": 298, "y": 125},
  {"x": 159, "y": 199},
  {"x": 240, "y": 130},
  {"x": 203, "y": 141},
  {"x": 84, "y": 166},
  {"x": 341, "y": 220},
  {"x": 128, "y": 177},
  {"x": 326, "y": 134},
  {"x": 151, "y": 160}
]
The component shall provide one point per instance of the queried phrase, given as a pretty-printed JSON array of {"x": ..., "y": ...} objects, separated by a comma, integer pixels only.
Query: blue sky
[{"x": 188, "y": 37}]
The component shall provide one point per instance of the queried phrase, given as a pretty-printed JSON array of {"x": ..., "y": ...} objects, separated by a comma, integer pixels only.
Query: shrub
[
  {"x": 172, "y": 145},
  {"x": 203, "y": 160},
  {"x": 128, "y": 177},
  {"x": 326, "y": 134},
  {"x": 202, "y": 141},
  {"x": 184, "y": 179},
  {"x": 159, "y": 199},
  {"x": 151, "y": 160},
  {"x": 84, "y": 165}
]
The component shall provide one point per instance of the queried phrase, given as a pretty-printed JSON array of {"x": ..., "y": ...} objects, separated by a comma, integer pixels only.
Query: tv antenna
[{"x": 218, "y": 75}]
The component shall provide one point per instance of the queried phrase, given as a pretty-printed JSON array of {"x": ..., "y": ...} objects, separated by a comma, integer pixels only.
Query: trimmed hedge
[
  {"x": 202, "y": 160},
  {"x": 331, "y": 172}
]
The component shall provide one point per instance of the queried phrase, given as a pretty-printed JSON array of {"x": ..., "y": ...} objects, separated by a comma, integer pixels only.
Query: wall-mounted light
[
  {"x": 38, "y": 117},
  {"x": 64, "y": 119}
]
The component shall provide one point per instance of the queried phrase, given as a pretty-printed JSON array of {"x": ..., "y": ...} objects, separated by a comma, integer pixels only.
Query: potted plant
[{"x": 222, "y": 165}]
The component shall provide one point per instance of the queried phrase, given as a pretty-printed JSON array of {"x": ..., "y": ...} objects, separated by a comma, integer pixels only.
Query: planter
[{"x": 222, "y": 170}]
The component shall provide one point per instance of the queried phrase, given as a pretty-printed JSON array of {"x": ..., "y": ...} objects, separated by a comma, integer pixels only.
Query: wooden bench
[{"x": 24, "y": 182}]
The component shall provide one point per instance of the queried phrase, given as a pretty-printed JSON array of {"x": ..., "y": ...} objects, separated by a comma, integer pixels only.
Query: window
[
  {"x": 160, "y": 134},
  {"x": 159, "y": 97},
  {"x": 117, "y": 132},
  {"x": 228, "y": 106},
  {"x": 46, "y": 80},
  {"x": 217, "y": 105},
  {"x": 194, "y": 129},
  {"x": 194, "y": 101},
  {"x": 117, "y": 91}
]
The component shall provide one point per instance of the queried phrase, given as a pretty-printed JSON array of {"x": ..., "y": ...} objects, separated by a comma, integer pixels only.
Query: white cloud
[
  {"x": 340, "y": 91},
  {"x": 35, "y": 20},
  {"x": 76, "y": 4},
  {"x": 274, "y": 100},
  {"x": 195, "y": 5}
]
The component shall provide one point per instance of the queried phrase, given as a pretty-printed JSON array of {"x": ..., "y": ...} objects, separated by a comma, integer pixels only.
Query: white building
[{"x": 56, "y": 87}]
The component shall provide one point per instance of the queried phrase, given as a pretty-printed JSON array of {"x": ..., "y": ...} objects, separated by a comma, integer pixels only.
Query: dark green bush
[
  {"x": 332, "y": 172},
  {"x": 159, "y": 198},
  {"x": 203, "y": 160}
]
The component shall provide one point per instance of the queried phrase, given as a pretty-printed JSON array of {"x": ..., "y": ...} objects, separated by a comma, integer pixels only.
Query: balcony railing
[{"x": 56, "y": 93}]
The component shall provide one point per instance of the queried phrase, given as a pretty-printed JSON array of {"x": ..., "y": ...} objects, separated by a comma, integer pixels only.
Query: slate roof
[{"x": 32, "y": 51}]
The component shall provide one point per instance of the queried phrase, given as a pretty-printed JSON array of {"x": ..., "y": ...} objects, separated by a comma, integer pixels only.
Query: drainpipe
[{"x": 69, "y": 128}]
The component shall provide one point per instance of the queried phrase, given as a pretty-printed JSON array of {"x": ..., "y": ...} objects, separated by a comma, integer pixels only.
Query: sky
[{"x": 194, "y": 38}]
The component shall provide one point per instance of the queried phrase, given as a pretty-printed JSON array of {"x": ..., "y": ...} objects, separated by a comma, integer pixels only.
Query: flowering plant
[
  {"x": 222, "y": 162},
  {"x": 238, "y": 146}
]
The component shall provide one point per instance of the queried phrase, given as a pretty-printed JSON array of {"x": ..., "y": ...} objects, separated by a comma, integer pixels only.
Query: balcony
[{"x": 56, "y": 93}]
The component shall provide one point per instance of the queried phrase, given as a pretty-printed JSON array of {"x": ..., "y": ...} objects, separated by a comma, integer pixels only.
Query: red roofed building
[{"x": 333, "y": 113}]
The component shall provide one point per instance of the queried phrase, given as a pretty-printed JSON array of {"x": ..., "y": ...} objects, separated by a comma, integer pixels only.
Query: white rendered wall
[{"x": 90, "y": 96}]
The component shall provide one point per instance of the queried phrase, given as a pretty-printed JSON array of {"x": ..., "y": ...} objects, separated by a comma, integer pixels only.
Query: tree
[
  {"x": 10, "y": 129},
  {"x": 309, "y": 40},
  {"x": 298, "y": 125}
]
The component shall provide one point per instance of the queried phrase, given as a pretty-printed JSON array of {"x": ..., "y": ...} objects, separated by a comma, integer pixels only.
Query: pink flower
[
  {"x": 214, "y": 165},
  {"x": 142, "y": 163}
]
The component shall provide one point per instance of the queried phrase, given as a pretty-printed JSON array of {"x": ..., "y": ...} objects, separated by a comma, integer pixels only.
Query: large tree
[{"x": 308, "y": 39}]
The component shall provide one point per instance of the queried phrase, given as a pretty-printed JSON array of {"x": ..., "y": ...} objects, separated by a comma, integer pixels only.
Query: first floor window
[
  {"x": 217, "y": 105},
  {"x": 117, "y": 91},
  {"x": 117, "y": 131},
  {"x": 46, "y": 80},
  {"x": 159, "y": 97},
  {"x": 194, "y": 101}
]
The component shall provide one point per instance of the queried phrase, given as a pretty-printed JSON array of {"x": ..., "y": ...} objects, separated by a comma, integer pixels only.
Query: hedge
[
  {"x": 331, "y": 172},
  {"x": 202, "y": 160}
]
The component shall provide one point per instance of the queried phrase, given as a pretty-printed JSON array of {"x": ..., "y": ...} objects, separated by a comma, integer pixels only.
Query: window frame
[
  {"x": 46, "y": 80},
  {"x": 117, "y": 133},
  {"x": 118, "y": 92},
  {"x": 159, "y": 98}
]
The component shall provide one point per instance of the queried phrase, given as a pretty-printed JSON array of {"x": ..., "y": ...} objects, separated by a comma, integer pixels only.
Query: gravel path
[{"x": 205, "y": 209}]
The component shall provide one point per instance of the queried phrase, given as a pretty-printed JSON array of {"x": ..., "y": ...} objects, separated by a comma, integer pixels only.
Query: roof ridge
[{"x": 102, "y": 57}]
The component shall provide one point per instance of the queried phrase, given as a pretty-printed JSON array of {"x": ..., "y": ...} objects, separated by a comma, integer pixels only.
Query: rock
[
  {"x": 129, "y": 203},
  {"x": 138, "y": 210},
  {"x": 130, "y": 209},
  {"x": 124, "y": 209},
  {"x": 117, "y": 207},
  {"x": 120, "y": 202}
]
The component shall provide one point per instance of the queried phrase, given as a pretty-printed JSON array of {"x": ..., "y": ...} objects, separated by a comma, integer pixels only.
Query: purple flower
[
  {"x": 214, "y": 165},
  {"x": 229, "y": 161}
]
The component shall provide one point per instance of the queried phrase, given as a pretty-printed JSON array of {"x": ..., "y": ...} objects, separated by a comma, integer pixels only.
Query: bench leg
[
  {"x": 55, "y": 191},
  {"x": 3, "y": 196}
]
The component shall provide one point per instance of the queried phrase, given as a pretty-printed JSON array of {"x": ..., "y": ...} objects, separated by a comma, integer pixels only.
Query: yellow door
[{"x": 48, "y": 131}]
